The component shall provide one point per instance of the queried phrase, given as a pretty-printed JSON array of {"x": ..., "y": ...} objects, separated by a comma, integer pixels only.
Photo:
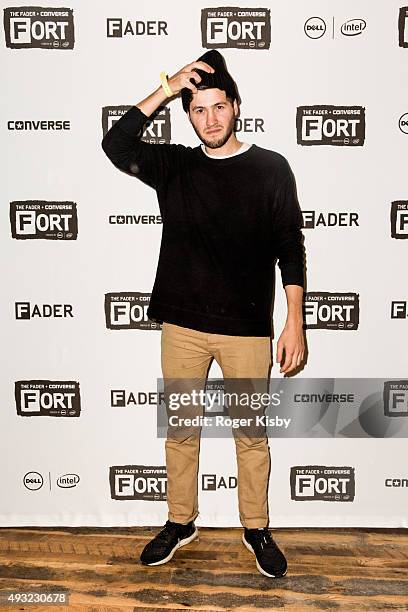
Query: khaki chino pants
[{"x": 186, "y": 356}]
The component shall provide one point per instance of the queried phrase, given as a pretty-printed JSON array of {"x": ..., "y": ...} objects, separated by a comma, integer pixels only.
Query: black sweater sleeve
[
  {"x": 288, "y": 237},
  {"x": 151, "y": 163}
]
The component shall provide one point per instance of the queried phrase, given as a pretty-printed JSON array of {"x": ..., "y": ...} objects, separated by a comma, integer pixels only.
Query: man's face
[{"x": 212, "y": 116}]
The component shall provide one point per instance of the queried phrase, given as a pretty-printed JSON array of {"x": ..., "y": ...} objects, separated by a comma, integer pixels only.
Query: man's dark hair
[{"x": 220, "y": 79}]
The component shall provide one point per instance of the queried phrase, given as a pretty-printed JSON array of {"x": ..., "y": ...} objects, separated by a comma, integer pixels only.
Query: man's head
[
  {"x": 212, "y": 116},
  {"x": 212, "y": 110}
]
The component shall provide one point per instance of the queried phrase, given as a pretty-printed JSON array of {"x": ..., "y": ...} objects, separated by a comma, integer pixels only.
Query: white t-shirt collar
[{"x": 244, "y": 147}]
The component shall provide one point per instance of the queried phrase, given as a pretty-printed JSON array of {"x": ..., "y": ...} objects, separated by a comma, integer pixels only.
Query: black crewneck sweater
[{"x": 225, "y": 222}]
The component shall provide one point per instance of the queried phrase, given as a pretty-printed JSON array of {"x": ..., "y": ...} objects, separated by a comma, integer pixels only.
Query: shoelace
[
  {"x": 166, "y": 533},
  {"x": 267, "y": 544}
]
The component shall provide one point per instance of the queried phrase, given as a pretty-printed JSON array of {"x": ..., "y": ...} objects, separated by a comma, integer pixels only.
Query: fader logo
[
  {"x": 142, "y": 482},
  {"x": 29, "y": 310},
  {"x": 330, "y": 125},
  {"x": 324, "y": 310},
  {"x": 249, "y": 125},
  {"x": 403, "y": 27},
  {"x": 128, "y": 310},
  {"x": 38, "y": 27},
  {"x": 399, "y": 309},
  {"x": 395, "y": 398},
  {"x": 55, "y": 398},
  {"x": 322, "y": 483},
  {"x": 399, "y": 219},
  {"x": 121, "y": 398},
  {"x": 38, "y": 219},
  {"x": 157, "y": 130},
  {"x": 235, "y": 27},
  {"x": 117, "y": 28},
  {"x": 214, "y": 482},
  {"x": 314, "y": 218}
]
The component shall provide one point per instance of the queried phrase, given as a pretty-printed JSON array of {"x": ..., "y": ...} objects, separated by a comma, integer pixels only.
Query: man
[{"x": 229, "y": 209}]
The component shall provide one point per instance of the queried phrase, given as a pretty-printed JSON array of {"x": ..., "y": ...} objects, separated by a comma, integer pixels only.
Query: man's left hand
[{"x": 292, "y": 340}]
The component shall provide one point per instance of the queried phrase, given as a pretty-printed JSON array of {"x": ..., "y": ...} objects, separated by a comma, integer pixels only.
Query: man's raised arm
[{"x": 123, "y": 145}]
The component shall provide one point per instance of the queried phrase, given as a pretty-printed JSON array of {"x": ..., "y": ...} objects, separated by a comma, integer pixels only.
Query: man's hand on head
[{"x": 182, "y": 78}]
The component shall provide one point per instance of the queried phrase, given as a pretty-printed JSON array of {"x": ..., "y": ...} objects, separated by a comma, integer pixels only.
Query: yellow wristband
[{"x": 166, "y": 86}]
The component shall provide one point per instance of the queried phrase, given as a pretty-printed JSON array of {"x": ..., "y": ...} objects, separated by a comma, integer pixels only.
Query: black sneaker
[
  {"x": 270, "y": 560},
  {"x": 167, "y": 541}
]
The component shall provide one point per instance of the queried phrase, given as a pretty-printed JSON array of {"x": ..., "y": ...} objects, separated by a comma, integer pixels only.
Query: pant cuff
[
  {"x": 181, "y": 519},
  {"x": 255, "y": 523}
]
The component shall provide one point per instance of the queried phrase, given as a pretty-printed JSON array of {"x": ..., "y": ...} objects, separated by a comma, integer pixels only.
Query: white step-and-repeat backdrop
[{"x": 325, "y": 84}]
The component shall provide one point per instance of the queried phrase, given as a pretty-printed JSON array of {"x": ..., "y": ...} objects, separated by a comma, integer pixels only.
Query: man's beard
[{"x": 217, "y": 142}]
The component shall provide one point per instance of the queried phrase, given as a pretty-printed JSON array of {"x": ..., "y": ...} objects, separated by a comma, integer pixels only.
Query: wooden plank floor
[{"x": 329, "y": 569}]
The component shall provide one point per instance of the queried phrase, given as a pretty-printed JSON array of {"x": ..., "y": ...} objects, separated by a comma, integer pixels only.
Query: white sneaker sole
[
  {"x": 178, "y": 545},
  {"x": 260, "y": 569}
]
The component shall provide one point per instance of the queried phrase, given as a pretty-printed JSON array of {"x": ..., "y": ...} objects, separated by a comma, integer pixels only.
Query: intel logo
[
  {"x": 353, "y": 27},
  {"x": 67, "y": 481}
]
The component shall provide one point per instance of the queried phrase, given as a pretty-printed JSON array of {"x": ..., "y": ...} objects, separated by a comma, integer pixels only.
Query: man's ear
[{"x": 236, "y": 108}]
